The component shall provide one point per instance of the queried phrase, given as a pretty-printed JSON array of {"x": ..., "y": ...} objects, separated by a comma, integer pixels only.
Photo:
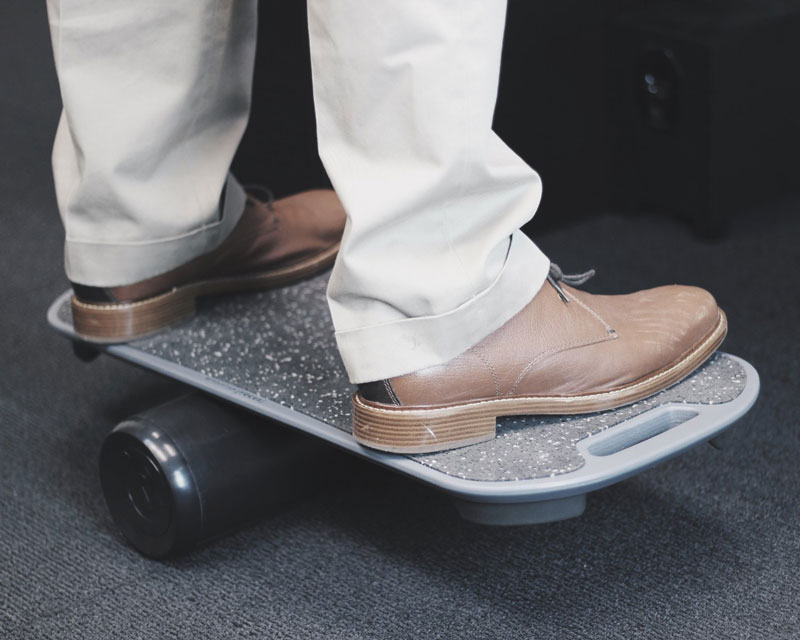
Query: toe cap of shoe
[
  {"x": 323, "y": 207},
  {"x": 655, "y": 329},
  {"x": 682, "y": 315}
]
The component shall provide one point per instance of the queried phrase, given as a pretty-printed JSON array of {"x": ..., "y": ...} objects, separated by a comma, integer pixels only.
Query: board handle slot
[{"x": 642, "y": 431}]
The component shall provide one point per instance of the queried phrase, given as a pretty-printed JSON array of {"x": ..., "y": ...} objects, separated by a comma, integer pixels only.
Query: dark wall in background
[
  {"x": 572, "y": 99},
  {"x": 704, "y": 99},
  {"x": 551, "y": 108},
  {"x": 279, "y": 148}
]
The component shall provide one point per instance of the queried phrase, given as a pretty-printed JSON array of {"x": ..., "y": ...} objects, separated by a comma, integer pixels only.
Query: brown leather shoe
[
  {"x": 273, "y": 244},
  {"x": 566, "y": 352}
]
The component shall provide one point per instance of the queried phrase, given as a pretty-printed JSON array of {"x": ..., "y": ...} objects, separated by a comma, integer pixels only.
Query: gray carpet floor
[{"x": 706, "y": 545}]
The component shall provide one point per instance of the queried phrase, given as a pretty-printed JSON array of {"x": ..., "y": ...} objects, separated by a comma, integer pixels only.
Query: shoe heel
[
  {"x": 400, "y": 430},
  {"x": 108, "y": 323}
]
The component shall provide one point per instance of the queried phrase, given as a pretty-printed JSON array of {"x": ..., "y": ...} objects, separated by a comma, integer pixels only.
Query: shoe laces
[
  {"x": 555, "y": 277},
  {"x": 267, "y": 197}
]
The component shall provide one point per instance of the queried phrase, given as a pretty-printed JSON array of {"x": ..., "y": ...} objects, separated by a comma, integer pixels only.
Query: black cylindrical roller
[{"x": 194, "y": 469}]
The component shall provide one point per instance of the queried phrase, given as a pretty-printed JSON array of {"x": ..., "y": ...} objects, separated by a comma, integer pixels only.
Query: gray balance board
[{"x": 274, "y": 353}]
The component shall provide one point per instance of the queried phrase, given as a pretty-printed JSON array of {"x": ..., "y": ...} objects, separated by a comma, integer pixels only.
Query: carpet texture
[{"x": 706, "y": 545}]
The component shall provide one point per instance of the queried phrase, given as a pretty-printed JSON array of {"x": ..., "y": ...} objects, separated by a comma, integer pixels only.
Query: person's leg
[
  {"x": 432, "y": 259},
  {"x": 156, "y": 97},
  {"x": 437, "y": 297}
]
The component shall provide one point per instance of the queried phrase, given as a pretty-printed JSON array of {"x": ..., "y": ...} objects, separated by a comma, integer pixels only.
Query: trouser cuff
[
  {"x": 110, "y": 264},
  {"x": 408, "y": 345}
]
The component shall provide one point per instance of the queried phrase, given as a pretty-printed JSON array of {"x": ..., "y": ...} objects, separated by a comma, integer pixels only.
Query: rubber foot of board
[
  {"x": 722, "y": 441},
  {"x": 519, "y": 513},
  {"x": 84, "y": 352}
]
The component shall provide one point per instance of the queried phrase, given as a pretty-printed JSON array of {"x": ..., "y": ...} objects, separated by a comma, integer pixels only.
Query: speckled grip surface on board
[{"x": 279, "y": 345}]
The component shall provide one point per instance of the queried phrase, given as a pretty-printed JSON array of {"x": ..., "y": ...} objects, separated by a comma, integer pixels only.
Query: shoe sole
[
  {"x": 122, "y": 322},
  {"x": 424, "y": 430}
]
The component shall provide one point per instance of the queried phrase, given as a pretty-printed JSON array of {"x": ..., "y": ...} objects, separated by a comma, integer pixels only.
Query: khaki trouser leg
[
  {"x": 432, "y": 259},
  {"x": 156, "y": 96}
]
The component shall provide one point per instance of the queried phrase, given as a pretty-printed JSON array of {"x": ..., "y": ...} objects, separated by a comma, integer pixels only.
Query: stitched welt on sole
[
  {"x": 121, "y": 322},
  {"x": 405, "y": 429}
]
